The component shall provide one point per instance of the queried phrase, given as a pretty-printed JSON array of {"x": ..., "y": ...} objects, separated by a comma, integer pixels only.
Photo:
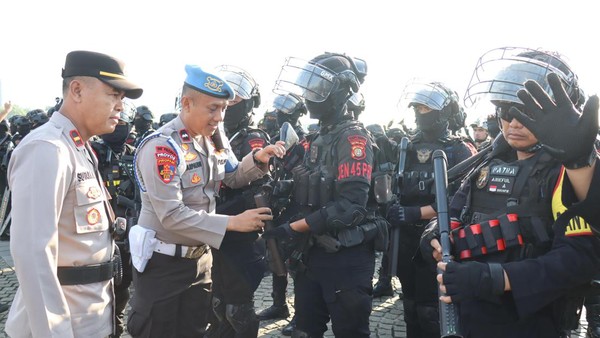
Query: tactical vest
[
  {"x": 117, "y": 175},
  {"x": 314, "y": 180},
  {"x": 508, "y": 211},
  {"x": 246, "y": 140},
  {"x": 418, "y": 184}
]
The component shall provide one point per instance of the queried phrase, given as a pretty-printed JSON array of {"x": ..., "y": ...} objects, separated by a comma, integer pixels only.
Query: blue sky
[{"x": 435, "y": 39}]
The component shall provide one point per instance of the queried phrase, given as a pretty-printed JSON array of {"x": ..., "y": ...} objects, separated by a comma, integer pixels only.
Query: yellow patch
[{"x": 577, "y": 225}]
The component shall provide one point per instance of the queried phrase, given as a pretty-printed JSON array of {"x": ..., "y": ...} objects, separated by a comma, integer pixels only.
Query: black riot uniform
[
  {"x": 115, "y": 164},
  {"x": 239, "y": 264},
  {"x": 333, "y": 274},
  {"x": 433, "y": 105},
  {"x": 506, "y": 210}
]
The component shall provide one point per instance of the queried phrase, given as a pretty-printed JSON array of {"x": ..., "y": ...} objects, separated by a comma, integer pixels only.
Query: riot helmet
[
  {"x": 356, "y": 104},
  {"x": 326, "y": 83},
  {"x": 166, "y": 117},
  {"x": 289, "y": 108},
  {"x": 376, "y": 129},
  {"x": 239, "y": 111},
  {"x": 22, "y": 125},
  {"x": 37, "y": 117},
  {"x": 56, "y": 107},
  {"x": 11, "y": 124},
  {"x": 116, "y": 139},
  {"x": 143, "y": 119},
  {"x": 4, "y": 127},
  {"x": 435, "y": 106},
  {"x": 270, "y": 123},
  {"x": 500, "y": 73}
]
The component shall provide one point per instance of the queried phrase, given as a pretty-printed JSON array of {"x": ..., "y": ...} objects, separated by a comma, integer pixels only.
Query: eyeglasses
[{"x": 502, "y": 112}]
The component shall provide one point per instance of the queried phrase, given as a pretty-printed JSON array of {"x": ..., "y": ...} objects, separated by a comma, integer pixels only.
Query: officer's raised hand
[
  {"x": 557, "y": 124},
  {"x": 470, "y": 280},
  {"x": 249, "y": 220},
  {"x": 264, "y": 155},
  {"x": 399, "y": 215}
]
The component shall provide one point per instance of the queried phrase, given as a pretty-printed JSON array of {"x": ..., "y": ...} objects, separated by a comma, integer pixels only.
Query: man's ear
[{"x": 76, "y": 87}]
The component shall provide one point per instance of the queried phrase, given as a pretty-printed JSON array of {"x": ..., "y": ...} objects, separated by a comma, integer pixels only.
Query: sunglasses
[{"x": 502, "y": 112}]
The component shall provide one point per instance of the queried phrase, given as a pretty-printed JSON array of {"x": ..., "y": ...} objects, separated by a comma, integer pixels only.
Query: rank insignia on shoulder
[
  {"x": 358, "y": 145},
  {"x": 483, "y": 178},
  {"x": 185, "y": 136},
  {"x": 76, "y": 138}
]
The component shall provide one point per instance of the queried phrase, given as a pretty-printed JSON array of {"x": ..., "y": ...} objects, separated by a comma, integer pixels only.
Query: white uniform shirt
[{"x": 58, "y": 219}]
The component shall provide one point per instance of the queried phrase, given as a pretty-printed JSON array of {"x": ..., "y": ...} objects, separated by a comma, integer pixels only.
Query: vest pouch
[
  {"x": 326, "y": 189},
  {"x": 509, "y": 225},
  {"x": 314, "y": 185},
  {"x": 301, "y": 185},
  {"x": 350, "y": 237},
  {"x": 382, "y": 188}
]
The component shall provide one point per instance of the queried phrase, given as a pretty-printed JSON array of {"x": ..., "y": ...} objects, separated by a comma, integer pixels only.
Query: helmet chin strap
[{"x": 534, "y": 148}]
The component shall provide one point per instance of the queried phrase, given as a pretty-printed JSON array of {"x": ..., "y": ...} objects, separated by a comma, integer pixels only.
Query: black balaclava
[
  {"x": 238, "y": 116},
  {"x": 432, "y": 125},
  {"x": 116, "y": 139},
  {"x": 142, "y": 125}
]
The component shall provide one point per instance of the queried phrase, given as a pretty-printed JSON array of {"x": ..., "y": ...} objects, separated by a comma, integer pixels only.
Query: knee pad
[{"x": 241, "y": 317}]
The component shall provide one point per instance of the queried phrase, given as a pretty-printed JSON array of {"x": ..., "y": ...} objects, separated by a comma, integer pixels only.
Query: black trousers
[
  {"x": 171, "y": 298},
  {"x": 336, "y": 286}
]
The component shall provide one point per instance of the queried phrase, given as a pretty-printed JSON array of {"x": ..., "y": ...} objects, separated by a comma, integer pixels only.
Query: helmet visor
[
  {"x": 128, "y": 112},
  {"x": 501, "y": 73},
  {"x": 428, "y": 94},
  {"x": 241, "y": 82},
  {"x": 309, "y": 81},
  {"x": 286, "y": 104}
]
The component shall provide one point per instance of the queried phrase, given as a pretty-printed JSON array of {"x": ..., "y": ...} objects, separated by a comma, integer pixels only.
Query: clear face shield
[
  {"x": 417, "y": 95},
  {"x": 309, "y": 81},
  {"x": 128, "y": 112},
  {"x": 242, "y": 83},
  {"x": 501, "y": 73},
  {"x": 287, "y": 104}
]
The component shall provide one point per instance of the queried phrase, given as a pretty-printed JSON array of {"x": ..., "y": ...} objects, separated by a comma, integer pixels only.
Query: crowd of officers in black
[{"x": 240, "y": 264}]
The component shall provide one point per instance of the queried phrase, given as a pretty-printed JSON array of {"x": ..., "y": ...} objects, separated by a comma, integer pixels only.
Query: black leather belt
[{"x": 87, "y": 274}]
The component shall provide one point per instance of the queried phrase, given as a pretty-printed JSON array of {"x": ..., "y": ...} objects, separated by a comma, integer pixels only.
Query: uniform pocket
[{"x": 90, "y": 212}]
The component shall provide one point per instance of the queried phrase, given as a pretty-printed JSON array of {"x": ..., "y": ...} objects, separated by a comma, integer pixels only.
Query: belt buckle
[{"x": 195, "y": 252}]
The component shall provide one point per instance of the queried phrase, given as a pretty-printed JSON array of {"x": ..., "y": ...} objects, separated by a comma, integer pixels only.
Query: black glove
[
  {"x": 282, "y": 232},
  {"x": 559, "y": 127},
  {"x": 432, "y": 231},
  {"x": 469, "y": 280},
  {"x": 399, "y": 215}
]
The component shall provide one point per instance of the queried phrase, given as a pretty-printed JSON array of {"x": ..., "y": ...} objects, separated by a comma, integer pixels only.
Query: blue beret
[{"x": 207, "y": 83}]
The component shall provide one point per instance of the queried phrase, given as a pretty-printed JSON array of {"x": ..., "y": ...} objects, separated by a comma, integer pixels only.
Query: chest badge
[
  {"x": 483, "y": 178},
  {"x": 93, "y": 216},
  {"x": 196, "y": 178},
  {"x": 93, "y": 193},
  {"x": 189, "y": 156},
  {"x": 423, "y": 155}
]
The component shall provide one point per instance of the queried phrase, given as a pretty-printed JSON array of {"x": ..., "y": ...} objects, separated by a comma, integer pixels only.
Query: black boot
[
  {"x": 383, "y": 287},
  {"x": 289, "y": 329},
  {"x": 279, "y": 309}
]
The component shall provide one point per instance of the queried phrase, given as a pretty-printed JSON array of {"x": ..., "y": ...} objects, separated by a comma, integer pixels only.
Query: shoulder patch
[
  {"x": 358, "y": 144},
  {"x": 577, "y": 225},
  {"x": 166, "y": 163}
]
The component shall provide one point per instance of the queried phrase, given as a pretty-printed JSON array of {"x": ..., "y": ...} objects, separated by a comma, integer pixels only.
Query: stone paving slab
[{"x": 386, "y": 318}]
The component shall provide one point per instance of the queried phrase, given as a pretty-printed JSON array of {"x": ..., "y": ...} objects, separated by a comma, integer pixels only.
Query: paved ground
[{"x": 386, "y": 318}]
